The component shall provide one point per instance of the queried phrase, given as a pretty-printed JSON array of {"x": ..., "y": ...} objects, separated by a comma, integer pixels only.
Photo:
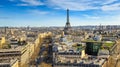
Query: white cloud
[
  {"x": 80, "y": 5},
  {"x": 30, "y": 3},
  {"x": 76, "y": 5},
  {"x": 71, "y": 4},
  {"x": 38, "y": 12},
  {"x": 91, "y": 17},
  {"x": 112, "y": 7},
  {"x": 109, "y": 1},
  {"x": 23, "y": 4},
  {"x": 57, "y": 8}
]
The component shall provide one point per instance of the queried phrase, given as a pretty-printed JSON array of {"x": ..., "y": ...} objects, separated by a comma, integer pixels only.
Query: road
[
  {"x": 118, "y": 56},
  {"x": 115, "y": 62},
  {"x": 43, "y": 58}
]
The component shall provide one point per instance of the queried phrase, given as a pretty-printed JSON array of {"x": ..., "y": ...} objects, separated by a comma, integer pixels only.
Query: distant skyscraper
[{"x": 67, "y": 26}]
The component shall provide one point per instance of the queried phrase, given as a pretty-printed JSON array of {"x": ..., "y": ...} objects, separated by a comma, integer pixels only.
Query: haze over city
[{"x": 53, "y": 12}]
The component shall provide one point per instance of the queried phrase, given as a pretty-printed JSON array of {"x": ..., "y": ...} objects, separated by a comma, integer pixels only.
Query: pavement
[{"x": 116, "y": 57}]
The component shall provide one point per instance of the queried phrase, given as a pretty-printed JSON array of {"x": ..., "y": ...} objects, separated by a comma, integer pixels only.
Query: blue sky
[{"x": 53, "y": 12}]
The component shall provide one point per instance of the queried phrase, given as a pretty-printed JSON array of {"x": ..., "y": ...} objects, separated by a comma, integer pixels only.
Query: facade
[
  {"x": 9, "y": 63},
  {"x": 75, "y": 60},
  {"x": 22, "y": 53}
]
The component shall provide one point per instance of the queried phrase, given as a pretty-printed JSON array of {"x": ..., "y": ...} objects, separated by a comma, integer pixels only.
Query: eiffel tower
[{"x": 67, "y": 27}]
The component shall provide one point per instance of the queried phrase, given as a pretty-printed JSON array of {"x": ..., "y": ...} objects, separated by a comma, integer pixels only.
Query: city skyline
[{"x": 53, "y": 13}]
